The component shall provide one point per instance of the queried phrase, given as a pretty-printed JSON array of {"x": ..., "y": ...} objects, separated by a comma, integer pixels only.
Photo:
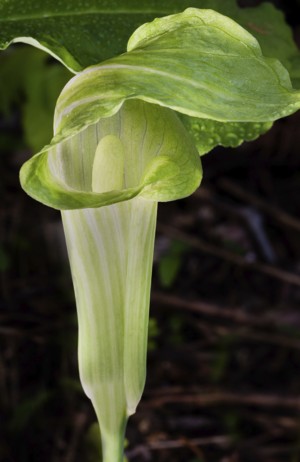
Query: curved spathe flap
[
  {"x": 160, "y": 161},
  {"x": 198, "y": 62}
]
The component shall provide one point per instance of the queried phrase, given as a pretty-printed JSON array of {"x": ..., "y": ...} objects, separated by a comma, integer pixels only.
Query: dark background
[{"x": 224, "y": 350}]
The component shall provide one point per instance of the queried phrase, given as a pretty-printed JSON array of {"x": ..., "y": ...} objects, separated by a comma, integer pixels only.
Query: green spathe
[
  {"x": 165, "y": 164},
  {"x": 143, "y": 148},
  {"x": 111, "y": 270}
]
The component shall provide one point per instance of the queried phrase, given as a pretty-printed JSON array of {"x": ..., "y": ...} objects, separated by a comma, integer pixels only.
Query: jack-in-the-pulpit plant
[
  {"x": 128, "y": 133},
  {"x": 111, "y": 249}
]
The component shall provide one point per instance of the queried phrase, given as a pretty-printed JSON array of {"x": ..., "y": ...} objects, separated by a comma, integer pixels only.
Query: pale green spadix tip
[{"x": 108, "y": 166}]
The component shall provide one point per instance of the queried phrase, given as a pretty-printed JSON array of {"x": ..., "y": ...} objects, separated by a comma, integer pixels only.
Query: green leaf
[
  {"x": 79, "y": 33},
  {"x": 82, "y": 34},
  {"x": 267, "y": 24}
]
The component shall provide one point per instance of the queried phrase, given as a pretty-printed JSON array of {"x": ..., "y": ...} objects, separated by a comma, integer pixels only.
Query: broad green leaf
[
  {"x": 79, "y": 33},
  {"x": 295, "y": 70},
  {"x": 84, "y": 33},
  {"x": 275, "y": 37}
]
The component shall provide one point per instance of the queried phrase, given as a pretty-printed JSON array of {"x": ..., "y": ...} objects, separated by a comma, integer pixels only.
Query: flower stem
[{"x": 113, "y": 446}]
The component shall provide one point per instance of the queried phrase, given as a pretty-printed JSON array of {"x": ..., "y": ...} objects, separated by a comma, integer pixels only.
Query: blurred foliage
[
  {"x": 152, "y": 334},
  {"x": 170, "y": 263},
  {"x": 92, "y": 442},
  {"x": 32, "y": 83},
  {"x": 176, "y": 329},
  {"x": 4, "y": 259},
  {"x": 221, "y": 361}
]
